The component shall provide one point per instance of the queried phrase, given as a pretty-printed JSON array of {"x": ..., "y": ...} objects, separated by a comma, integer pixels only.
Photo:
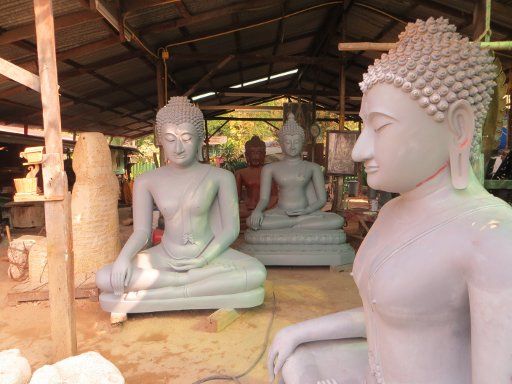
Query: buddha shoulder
[
  {"x": 220, "y": 174},
  {"x": 489, "y": 247},
  {"x": 314, "y": 166}
]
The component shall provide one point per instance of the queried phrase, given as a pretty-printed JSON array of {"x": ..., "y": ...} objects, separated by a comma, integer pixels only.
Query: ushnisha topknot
[
  {"x": 255, "y": 142},
  {"x": 436, "y": 66},
  {"x": 179, "y": 110},
  {"x": 291, "y": 127}
]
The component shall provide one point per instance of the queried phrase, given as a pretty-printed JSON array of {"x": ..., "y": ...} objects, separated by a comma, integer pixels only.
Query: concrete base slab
[
  {"x": 313, "y": 255},
  {"x": 113, "y": 303}
]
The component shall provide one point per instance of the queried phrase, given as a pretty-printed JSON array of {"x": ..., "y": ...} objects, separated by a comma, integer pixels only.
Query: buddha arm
[
  {"x": 265, "y": 188},
  {"x": 238, "y": 178},
  {"x": 142, "y": 218},
  {"x": 490, "y": 296},
  {"x": 340, "y": 325},
  {"x": 228, "y": 207},
  {"x": 319, "y": 184}
]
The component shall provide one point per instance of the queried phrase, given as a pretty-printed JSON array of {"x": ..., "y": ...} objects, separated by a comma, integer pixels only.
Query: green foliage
[
  {"x": 146, "y": 146},
  {"x": 238, "y": 132}
]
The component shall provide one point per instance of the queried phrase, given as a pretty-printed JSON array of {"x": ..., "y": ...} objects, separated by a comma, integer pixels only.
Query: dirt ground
[{"x": 173, "y": 347}]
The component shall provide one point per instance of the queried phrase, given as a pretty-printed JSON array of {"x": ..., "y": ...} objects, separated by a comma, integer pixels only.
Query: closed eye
[
  {"x": 170, "y": 137},
  {"x": 383, "y": 126}
]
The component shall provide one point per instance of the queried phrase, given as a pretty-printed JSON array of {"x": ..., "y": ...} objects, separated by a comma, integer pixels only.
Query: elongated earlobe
[
  {"x": 461, "y": 122},
  {"x": 199, "y": 155}
]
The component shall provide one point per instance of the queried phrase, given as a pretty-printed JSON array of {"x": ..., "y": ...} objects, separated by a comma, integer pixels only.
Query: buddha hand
[
  {"x": 298, "y": 212},
  {"x": 187, "y": 264},
  {"x": 282, "y": 347},
  {"x": 256, "y": 219},
  {"x": 120, "y": 275}
]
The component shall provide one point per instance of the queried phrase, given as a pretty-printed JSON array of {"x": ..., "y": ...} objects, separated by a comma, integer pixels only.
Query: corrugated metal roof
[{"x": 21, "y": 12}]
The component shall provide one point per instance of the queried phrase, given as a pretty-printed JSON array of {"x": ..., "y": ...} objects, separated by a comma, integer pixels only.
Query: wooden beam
[
  {"x": 217, "y": 130},
  {"x": 365, "y": 46},
  {"x": 61, "y": 22},
  {"x": 322, "y": 38},
  {"x": 20, "y": 75},
  {"x": 241, "y": 107},
  {"x": 57, "y": 213},
  {"x": 135, "y": 5},
  {"x": 494, "y": 45},
  {"x": 277, "y": 40},
  {"x": 221, "y": 64},
  {"x": 86, "y": 49},
  {"x": 236, "y": 20},
  {"x": 265, "y": 119},
  {"x": 256, "y": 58},
  {"x": 250, "y": 108},
  {"x": 203, "y": 17},
  {"x": 182, "y": 9},
  {"x": 260, "y": 92},
  {"x": 272, "y": 125}
]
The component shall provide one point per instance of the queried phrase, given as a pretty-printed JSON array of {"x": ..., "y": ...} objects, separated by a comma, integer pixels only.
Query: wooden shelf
[{"x": 27, "y": 198}]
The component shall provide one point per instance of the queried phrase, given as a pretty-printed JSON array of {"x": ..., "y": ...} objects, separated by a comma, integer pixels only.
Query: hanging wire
[
  {"x": 253, "y": 25},
  {"x": 363, "y": 5}
]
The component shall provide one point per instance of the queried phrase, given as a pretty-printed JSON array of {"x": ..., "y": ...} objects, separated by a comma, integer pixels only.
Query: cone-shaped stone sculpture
[{"x": 94, "y": 204}]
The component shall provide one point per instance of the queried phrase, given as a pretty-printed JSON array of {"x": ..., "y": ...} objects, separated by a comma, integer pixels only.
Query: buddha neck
[
  {"x": 437, "y": 193},
  {"x": 293, "y": 159},
  {"x": 183, "y": 169}
]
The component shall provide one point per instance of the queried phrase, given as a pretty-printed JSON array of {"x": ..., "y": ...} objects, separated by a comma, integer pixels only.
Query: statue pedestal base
[
  {"x": 113, "y": 303},
  {"x": 298, "y": 247}
]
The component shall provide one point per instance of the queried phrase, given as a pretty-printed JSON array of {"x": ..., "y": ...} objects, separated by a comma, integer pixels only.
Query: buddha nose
[
  {"x": 179, "y": 147},
  {"x": 363, "y": 149}
]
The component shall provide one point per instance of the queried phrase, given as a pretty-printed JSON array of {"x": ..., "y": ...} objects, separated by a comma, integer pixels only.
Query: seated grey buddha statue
[
  {"x": 296, "y": 231},
  {"x": 193, "y": 267}
]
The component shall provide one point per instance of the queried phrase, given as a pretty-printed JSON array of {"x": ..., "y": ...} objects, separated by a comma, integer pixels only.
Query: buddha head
[
  {"x": 255, "y": 150},
  {"x": 291, "y": 137},
  {"x": 180, "y": 130},
  {"x": 424, "y": 103}
]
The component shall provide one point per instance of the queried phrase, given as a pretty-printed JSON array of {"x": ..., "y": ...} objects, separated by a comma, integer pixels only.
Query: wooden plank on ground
[
  {"x": 14, "y": 297},
  {"x": 220, "y": 319}
]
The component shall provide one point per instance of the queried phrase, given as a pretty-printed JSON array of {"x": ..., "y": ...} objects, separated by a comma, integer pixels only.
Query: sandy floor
[{"x": 173, "y": 347}]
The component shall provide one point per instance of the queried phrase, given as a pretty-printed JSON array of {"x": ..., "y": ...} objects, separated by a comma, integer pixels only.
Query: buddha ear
[
  {"x": 461, "y": 123},
  {"x": 199, "y": 154}
]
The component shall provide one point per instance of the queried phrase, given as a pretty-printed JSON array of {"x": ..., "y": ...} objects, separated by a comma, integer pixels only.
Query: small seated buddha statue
[
  {"x": 193, "y": 267},
  {"x": 248, "y": 179},
  {"x": 435, "y": 271},
  {"x": 296, "y": 231}
]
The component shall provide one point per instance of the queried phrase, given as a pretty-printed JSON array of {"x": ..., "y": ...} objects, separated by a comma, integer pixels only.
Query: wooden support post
[
  {"x": 57, "y": 213},
  {"x": 509, "y": 126},
  {"x": 338, "y": 180},
  {"x": 342, "y": 99},
  {"x": 359, "y": 169},
  {"x": 479, "y": 18},
  {"x": 161, "y": 78},
  {"x": 207, "y": 142}
]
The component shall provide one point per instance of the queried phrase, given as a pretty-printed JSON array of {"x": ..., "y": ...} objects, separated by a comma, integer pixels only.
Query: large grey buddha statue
[
  {"x": 296, "y": 231},
  {"x": 435, "y": 271},
  {"x": 193, "y": 266}
]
